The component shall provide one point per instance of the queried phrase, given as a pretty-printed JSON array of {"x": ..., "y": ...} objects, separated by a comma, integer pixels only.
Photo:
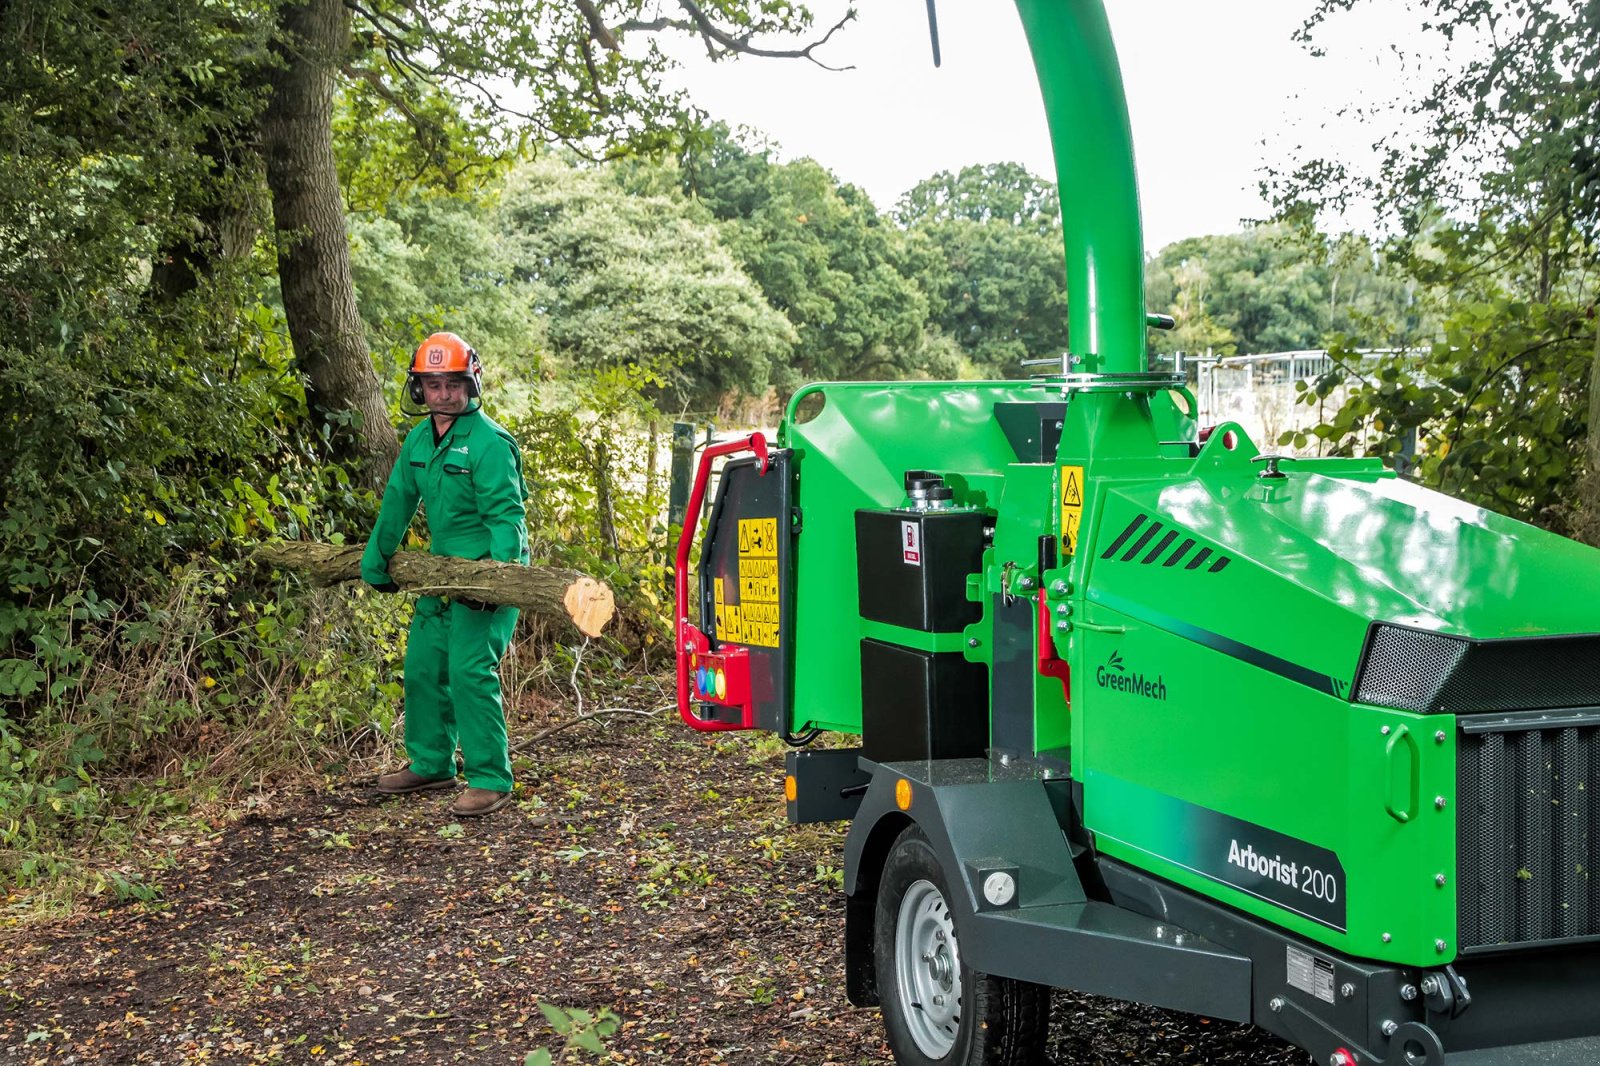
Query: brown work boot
[
  {"x": 478, "y": 801},
  {"x": 402, "y": 781}
]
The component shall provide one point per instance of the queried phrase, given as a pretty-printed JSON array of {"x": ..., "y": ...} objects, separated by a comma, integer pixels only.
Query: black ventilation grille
[
  {"x": 1528, "y": 832},
  {"x": 1414, "y": 670}
]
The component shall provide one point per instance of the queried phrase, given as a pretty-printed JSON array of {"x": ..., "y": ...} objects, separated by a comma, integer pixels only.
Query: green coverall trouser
[{"x": 452, "y": 687}]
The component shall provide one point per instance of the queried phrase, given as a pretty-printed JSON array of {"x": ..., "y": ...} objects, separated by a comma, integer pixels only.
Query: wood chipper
[{"x": 1145, "y": 713}]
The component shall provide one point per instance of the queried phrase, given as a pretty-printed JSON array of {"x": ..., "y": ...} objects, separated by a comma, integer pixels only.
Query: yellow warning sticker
[
  {"x": 1071, "y": 507},
  {"x": 754, "y": 618}
]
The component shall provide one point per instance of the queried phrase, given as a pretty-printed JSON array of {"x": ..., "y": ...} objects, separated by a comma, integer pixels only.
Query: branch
[
  {"x": 597, "y": 26},
  {"x": 701, "y": 23},
  {"x": 594, "y": 75},
  {"x": 556, "y": 593},
  {"x": 377, "y": 18},
  {"x": 392, "y": 98},
  {"x": 591, "y": 716}
]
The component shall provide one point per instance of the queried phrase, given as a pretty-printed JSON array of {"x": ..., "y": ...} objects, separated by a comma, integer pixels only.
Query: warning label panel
[
  {"x": 1071, "y": 508},
  {"x": 754, "y": 618}
]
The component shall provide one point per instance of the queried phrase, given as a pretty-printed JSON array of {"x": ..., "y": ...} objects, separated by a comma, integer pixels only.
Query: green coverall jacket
[{"x": 470, "y": 485}]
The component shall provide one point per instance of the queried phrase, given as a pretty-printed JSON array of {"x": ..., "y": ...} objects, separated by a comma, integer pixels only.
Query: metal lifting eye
[{"x": 1272, "y": 462}]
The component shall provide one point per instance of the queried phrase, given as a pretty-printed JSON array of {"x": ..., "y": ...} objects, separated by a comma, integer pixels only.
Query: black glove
[
  {"x": 474, "y": 605},
  {"x": 387, "y": 586}
]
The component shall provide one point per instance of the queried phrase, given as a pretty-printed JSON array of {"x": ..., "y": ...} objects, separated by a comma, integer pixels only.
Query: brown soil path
[{"x": 645, "y": 869}]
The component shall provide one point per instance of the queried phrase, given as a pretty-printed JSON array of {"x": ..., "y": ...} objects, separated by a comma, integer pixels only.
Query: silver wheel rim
[{"x": 927, "y": 967}]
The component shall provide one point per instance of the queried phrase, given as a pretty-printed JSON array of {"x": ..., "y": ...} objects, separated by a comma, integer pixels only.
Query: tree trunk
[
  {"x": 313, "y": 249},
  {"x": 1588, "y": 527},
  {"x": 603, "y": 502},
  {"x": 553, "y": 592}
]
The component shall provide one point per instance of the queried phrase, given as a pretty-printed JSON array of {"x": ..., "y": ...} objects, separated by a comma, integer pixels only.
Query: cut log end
[{"x": 590, "y": 604}]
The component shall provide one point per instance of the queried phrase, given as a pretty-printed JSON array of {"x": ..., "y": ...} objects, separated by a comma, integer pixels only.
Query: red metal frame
[
  {"x": 1051, "y": 664},
  {"x": 689, "y": 639}
]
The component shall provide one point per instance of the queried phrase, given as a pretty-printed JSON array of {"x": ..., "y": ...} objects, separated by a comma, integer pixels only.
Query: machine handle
[
  {"x": 687, "y": 638},
  {"x": 1401, "y": 759}
]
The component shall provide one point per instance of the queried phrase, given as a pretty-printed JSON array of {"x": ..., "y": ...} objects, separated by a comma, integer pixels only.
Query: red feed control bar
[{"x": 723, "y": 677}]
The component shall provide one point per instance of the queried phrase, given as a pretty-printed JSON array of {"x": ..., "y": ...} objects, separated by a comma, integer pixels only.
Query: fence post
[{"x": 682, "y": 472}]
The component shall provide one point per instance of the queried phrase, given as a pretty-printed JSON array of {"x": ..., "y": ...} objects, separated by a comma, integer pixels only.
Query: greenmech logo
[{"x": 1115, "y": 676}]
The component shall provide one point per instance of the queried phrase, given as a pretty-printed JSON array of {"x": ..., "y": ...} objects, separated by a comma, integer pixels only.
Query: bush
[{"x": 222, "y": 688}]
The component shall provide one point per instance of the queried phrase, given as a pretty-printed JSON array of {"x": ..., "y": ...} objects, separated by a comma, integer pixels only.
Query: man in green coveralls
[{"x": 467, "y": 473}]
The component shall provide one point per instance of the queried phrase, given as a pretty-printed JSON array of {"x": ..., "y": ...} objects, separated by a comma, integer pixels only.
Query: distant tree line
[{"x": 724, "y": 270}]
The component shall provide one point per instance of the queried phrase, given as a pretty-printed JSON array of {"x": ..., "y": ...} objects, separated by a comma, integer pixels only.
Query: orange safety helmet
[{"x": 444, "y": 353}]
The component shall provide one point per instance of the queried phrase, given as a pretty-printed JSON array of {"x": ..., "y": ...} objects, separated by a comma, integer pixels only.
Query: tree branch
[
  {"x": 714, "y": 35},
  {"x": 597, "y": 25},
  {"x": 527, "y": 742}
]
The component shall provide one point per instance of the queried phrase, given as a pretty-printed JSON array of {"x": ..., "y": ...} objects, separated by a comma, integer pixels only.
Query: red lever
[
  {"x": 688, "y": 637},
  {"x": 1050, "y": 664}
]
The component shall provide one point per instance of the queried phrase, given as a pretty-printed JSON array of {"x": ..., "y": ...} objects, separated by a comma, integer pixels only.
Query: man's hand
[{"x": 475, "y": 605}]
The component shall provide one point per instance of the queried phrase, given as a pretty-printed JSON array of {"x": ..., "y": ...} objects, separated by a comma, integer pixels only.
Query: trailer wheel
[{"x": 936, "y": 1009}]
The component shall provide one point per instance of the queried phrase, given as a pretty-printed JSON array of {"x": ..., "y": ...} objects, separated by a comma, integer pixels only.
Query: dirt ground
[{"x": 645, "y": 869}]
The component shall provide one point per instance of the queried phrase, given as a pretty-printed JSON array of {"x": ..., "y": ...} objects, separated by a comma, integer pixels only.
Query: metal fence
[{"x": 1260, "y": 392}]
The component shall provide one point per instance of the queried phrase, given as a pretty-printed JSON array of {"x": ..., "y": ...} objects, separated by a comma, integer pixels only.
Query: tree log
[{"x": 549, "y": 591}]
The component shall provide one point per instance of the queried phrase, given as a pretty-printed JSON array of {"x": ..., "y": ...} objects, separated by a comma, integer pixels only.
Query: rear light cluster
[
  {"x": 721, "y": 677},
  {"x": 710, "y": 676}
]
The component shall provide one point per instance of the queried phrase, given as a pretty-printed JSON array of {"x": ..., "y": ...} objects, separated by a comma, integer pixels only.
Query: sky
[{"x": 1216, "y": 90}]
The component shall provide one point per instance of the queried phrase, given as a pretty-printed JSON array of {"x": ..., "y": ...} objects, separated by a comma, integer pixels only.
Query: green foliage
[
  {"x": 592, "y": 456},
  {"x": 1492, "y": 412},
  {"x": 149, "y": 422},
  {"x": 1494, "y": 200},
  {"x": 447, "y": 94},
  {"x": 998, "y": 192},
  {"x": 639, "y": 281},
  {"x": 996, "y": 271},
  {"x": 434, "y": 261},
  {"x": 582, "y": 1030},
  {"x": 212, "y": 690},
  {"x": 846, "y": 279},
  {"x": 1507, "y": 132},
  {"x": 391, "y": 146},
  {"x": 1276, "y": 289}
]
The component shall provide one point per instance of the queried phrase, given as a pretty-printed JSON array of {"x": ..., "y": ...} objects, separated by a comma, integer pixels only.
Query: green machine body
[{"x": 1153, "y": 714}]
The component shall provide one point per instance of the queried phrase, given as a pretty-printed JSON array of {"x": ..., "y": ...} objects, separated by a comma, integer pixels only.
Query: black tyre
[{"x": 936, "y": 1009}]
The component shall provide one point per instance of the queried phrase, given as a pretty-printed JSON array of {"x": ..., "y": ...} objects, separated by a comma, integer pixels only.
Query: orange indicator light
[
  {"x": 790, "y": 788},
  {"x": 902, "y": 794},
  {"x": 722, "y": 685}
]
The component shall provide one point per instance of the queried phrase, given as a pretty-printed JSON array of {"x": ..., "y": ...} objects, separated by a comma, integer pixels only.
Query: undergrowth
[
  {"x": 183, "y": 711},
  {"x": 141, "y": 709}
]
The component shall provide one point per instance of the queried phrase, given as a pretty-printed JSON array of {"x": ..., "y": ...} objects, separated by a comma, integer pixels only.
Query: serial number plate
[{"x": 1311, "y": 974}]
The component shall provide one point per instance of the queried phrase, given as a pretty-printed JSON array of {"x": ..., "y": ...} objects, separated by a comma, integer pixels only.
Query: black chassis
[{"x": 1097, "y": 925}]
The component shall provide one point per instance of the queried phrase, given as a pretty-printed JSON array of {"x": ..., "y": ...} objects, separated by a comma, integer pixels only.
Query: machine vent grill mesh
[
  {"x": 1417, "y": 671},
  {"x": 1528, "y": 835}
]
